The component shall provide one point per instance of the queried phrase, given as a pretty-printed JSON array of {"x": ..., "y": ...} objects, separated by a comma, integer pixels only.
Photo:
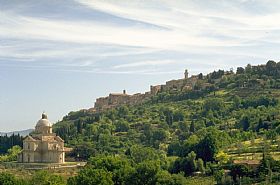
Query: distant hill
[{"x": 21, "y": 132}]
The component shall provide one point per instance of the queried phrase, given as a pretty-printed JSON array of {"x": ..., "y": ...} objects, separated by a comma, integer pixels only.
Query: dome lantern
[{"x": 44, "y": 115}]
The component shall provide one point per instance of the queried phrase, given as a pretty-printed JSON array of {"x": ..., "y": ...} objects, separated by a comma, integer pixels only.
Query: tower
[{"x": 186, "y": 74}]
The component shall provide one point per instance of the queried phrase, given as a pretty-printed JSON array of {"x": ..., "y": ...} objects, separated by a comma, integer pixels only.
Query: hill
[
  {"x": 186, "y": 126},
  {"x": 21, "y": 132}
]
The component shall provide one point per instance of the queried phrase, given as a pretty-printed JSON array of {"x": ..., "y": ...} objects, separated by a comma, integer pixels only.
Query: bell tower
[{"x": 186, "y": 74}]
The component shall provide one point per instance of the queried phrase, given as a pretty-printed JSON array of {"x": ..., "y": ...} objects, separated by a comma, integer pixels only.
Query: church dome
[
  {"x": 44, "y": 122},
  {"x": 43, "y": 125}
]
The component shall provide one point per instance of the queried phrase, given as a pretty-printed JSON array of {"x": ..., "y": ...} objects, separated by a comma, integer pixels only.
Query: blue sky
[{"x": 59, "y": 56}]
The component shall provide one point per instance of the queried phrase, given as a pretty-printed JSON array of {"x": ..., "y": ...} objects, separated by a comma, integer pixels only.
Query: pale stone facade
[{"x": 43, "y": 146}]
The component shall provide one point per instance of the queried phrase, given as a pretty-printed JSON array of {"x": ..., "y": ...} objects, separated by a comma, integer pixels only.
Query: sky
[{"x": 58, "y": 56}]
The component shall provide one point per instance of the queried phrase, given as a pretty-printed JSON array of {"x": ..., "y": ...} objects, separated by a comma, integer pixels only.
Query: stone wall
[{"x": 117, "y": 99}]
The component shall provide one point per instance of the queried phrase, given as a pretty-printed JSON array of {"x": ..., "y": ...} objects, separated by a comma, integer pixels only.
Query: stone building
[
  {"x": 117, "y": 99},
  {"x": 43, "y": 146}
]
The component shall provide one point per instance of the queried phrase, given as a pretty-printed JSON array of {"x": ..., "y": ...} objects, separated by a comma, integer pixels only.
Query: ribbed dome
[{"x": 43, "y": 123}]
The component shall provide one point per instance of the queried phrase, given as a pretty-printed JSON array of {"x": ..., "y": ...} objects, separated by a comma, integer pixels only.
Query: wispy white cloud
[
  {"x": 144, "y": 63},
  {"x": 227, "y": 29}
]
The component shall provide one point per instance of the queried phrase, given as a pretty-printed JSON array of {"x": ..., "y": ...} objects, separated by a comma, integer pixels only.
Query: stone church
[{"x": 42, "y": 146}]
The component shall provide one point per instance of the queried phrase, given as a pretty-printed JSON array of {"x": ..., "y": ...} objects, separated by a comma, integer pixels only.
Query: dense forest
[
  {"x": 228, "y": 118},
  {"x": 7, "y": 142}
]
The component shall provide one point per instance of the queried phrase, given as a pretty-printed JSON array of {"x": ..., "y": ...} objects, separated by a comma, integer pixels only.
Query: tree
[
  {"x": 188, "y": 164},
  {"x": 7, "y": 142},
  {"x": 200, "y": 166},
  {"x": 207, "y": 148},
  {"x": 46, "y": 178},
  {"x": 123, "y": 111},
  {"x": 271, "y": 67},
  {"x": 90, "y": 176},
  {"x": 200, "y": 76},
  {"x": 122, "y": 126},
  {"x": 11, "y": 155},
  {"x": 145, "y": 173},
  {"x": 178, "y": 115},
  {"x": 83, "y": 150},
  {"x": 238, "y": 171},
  {"x": 214, "y": 104},
  {"x": 120, "y": 167},
  {"x": 159, "y": 135},
  {"x": 164, "y": 178},
  {"x": 236, "y": 102},
  {"x": 140, "y": 153},
  {"x": 222, "y": 157},
  {"x": 248, "y": 69},
  {"x": 240, "y": 70},
  {"x": 168, "y": 113},
  {"x": 244, "y": 123},
  {"x": 174, "y": 148},
  {"x": 7, "y": 179},
  {"x": 179, "y": 179},
  {"x": 266, "y": 166},
  {"x": 192, "y": 127}
]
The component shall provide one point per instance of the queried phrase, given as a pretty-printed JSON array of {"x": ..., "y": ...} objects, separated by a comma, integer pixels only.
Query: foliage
[
  {"x": 8, "y": 179},
  {"x": 46, "y": 178},
  {"x": 7, "y": 142},
  {"x": 11, "y": 155},
  {"x": 90, "y": 176}
]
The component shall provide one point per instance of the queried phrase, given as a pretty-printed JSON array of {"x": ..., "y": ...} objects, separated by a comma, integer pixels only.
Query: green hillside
[
  {"x": 236, "y": 107},
  {"x": 222, "y": 114}
]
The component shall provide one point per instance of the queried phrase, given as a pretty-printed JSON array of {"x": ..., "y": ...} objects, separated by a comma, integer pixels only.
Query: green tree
[
  {"x": 192, "y": 127},
  {"x": 236, "y": 102},
  {"x": 189, "y": 164},
  {"x": 200, "y": 166},
  {"x": 164, "y": 178},
  {"x": 7, "y": 179},
  {"x": 240, "y": 70},
  {"x": 145, "y": 173},
  {"x": 46, "y": 178},
  {"x": 140, "y": 153},
  {"x": 119, "y": 166},
  {"x": 238, "y": 170},
  {"x": 214, "y": 104},
  {"x": 122, "y": 126},
  {"x": 207, "y": 148},
  {"x": 90, "y": 176}
]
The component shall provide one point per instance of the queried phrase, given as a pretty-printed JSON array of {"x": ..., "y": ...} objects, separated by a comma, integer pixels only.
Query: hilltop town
[{"x": 117, "y": 99}]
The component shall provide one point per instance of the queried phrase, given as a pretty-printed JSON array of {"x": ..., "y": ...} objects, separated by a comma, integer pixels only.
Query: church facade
[{"x": 42, "y": 146}]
